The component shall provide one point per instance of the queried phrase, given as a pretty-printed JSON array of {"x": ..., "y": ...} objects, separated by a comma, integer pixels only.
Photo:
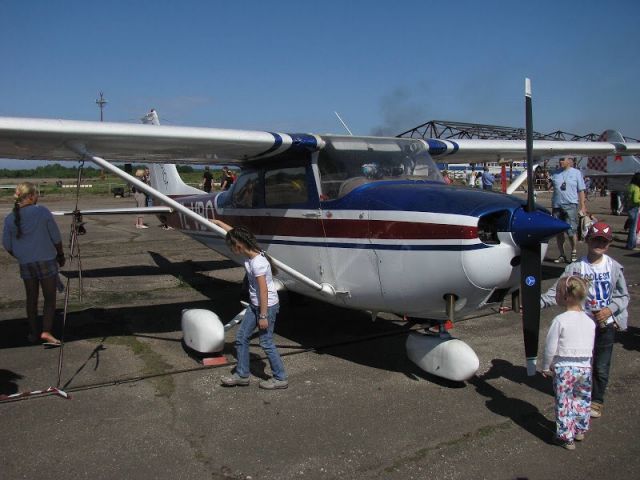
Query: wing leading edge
[
  {"x": 49, "y": 139},
  {"x": 466, "y": 151}
]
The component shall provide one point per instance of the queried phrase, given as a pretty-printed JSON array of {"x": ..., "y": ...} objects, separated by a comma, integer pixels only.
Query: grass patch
[
  {"x": 423, "y": 452},
  {"x": 153, "y": 363}
]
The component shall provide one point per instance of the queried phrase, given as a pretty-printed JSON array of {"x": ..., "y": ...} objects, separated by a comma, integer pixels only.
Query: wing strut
[{"x": 324, "y": 288}]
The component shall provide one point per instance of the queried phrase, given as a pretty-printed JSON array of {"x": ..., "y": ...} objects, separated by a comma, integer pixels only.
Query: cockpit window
[
  {"x": 247, "y": 192},
  {"x": 285, "y": 186},
  {"x": 346, "y": 163}
]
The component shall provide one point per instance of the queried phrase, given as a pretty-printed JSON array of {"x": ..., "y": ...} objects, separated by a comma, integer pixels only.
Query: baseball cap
[{"x": 600, "y": 229}]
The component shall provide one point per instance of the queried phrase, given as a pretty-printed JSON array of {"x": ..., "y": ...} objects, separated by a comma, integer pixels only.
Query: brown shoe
[{"x": 596, "y": 410}]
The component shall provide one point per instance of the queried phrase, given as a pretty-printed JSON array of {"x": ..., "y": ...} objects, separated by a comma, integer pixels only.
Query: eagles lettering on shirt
[{"x": 600, "y": 284}]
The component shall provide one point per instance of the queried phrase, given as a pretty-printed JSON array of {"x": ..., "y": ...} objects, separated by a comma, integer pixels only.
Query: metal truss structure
[{"x": 451, "y": 130}]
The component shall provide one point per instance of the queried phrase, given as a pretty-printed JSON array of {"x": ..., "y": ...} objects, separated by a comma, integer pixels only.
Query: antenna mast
[{"x": 101, "y": 103}]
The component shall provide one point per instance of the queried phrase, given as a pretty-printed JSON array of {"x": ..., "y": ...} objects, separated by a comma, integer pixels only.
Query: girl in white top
[
  {"x": 567, "y": 357},
  {"x": 261, "y": 313}
]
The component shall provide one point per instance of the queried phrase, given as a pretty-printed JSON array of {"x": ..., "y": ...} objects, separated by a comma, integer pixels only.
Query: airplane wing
[
  {"x": 470, "y": 151},
  {"x": 49, "y": 139}
]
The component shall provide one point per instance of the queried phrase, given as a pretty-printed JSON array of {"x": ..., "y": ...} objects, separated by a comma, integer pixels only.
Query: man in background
[
  {"x": 487, "y": 179},
  {"x": 207, "y": 178},
  {"x": 567, "y": 202}
]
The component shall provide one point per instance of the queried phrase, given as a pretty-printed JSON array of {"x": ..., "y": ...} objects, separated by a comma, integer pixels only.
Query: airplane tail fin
[
  {"x": 615, "y": 164},
  {"x": 165, "y": 177}
]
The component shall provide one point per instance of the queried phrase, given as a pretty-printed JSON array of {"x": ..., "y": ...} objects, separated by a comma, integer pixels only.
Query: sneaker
[
  {"x": 560, "y": 259},
  {"x": 579, "y": 437},
  {"x": 566, "y": 444},
  {"x": 142, "y": 226},
  {"x": 574, "y": 256},
  {"x": 596, "y": 410},
  {"x": 273, "y": 384},
  {"x": 235, "y": 380}
]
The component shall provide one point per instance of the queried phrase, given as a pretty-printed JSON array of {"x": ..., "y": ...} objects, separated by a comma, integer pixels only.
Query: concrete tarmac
[{"x": 356, "y": 406}]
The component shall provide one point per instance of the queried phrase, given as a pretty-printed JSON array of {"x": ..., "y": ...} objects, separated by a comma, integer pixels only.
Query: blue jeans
[
  {"x": 602, "y": 361},
  {"x": 247, "y": 326},
  {"x": 632, "y": 238}
]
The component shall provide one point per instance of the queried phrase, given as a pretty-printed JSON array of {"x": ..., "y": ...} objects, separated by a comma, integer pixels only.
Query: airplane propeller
[{"x": 530, "y": 264}]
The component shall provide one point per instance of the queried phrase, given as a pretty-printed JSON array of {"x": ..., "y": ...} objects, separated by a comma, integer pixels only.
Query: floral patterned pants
[{"x": 573, "y": 401}]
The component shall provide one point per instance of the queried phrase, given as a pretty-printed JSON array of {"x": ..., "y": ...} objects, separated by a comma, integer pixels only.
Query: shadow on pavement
[
  {"x": 522, "y": 413},
  {"x": 517, "y": 374},
  {"x": 8, "y": 385}
]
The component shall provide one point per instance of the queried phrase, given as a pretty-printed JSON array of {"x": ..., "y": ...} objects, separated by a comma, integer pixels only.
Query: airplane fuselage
[{"x": 373, "y": 219}]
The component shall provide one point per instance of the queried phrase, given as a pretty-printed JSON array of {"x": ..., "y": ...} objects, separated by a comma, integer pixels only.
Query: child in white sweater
[{"x": 567, "y": 357}]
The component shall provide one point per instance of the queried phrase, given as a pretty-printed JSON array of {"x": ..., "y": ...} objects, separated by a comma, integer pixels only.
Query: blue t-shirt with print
[{"x": 574, "y": 183}]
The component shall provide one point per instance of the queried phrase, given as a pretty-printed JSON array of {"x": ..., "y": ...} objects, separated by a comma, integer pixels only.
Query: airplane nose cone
[{"x": 530, "y": 228}]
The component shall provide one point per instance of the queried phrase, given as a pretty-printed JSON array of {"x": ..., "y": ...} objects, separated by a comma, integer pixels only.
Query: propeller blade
[
  {"x": 530, "y": 266},
  {"x": 530, "y": 269}
]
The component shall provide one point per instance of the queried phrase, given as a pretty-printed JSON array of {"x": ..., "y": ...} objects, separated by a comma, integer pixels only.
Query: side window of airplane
[
  {"x": 247, "y": 192},
  {"x": 285, "y": 186}
]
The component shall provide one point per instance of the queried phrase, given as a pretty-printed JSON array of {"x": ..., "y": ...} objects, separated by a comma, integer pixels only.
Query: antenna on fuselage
[{"x": 343, "y": 124}]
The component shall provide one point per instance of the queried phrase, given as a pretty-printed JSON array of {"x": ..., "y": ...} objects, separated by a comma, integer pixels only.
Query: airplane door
[
  {"x": 292, "y": 221},
  {"x": 352, "y": 262}
]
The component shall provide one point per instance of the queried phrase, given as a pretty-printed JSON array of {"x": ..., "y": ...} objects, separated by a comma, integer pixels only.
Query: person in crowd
[
  {"x": 567, "y": 358},
  {"x": 227, "y": 179},
  {"x": 487, "y": 179},
  {"x": 141, "y": 201},
  {"x": 567, "y": 202},
  {"x": 606, "y": 303},
  {"x": 446, "y": 178},
  {"x": 262, "y": 311},
  {"x": 31, "y": 236},
  {"x": 633, "y": 203},
  {"x": 207, "y": 179},
  {"x": 146, "y": 178}
]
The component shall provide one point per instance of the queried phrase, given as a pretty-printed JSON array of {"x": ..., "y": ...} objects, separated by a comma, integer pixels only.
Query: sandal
[{"x": 49, "y": 340}]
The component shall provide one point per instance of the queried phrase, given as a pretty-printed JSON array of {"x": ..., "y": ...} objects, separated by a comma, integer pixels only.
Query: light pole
[{"x": 101, "y": 103}]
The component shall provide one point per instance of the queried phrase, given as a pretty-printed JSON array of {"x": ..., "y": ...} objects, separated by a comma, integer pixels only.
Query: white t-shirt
[
  {"x": 600, "y": 285},
  {"x": 259, "y": 266}
]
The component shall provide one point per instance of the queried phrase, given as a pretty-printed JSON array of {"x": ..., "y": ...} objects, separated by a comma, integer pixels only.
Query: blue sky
[{"x": 287, "y": 66}]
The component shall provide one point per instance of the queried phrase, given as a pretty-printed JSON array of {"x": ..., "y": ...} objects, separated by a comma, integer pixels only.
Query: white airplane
[
  {"x": 361, "y": 222},
  {"x": 617, "y": 168}
]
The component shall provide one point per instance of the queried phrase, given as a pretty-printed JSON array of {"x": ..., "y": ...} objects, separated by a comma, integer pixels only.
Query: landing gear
[{"x": 441, "y": 354}]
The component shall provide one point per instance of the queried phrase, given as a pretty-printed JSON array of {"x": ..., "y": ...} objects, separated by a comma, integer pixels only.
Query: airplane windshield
[{"x": 348, "y": 162}]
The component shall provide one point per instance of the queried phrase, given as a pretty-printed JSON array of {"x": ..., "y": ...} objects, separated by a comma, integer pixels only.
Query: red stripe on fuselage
[
  {"x": 269, "y": 226},
  {"x": 341, "y": 228}
]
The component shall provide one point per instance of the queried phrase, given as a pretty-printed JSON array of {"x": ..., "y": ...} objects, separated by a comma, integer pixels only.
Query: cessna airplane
[{"x": 361, "y": 222}]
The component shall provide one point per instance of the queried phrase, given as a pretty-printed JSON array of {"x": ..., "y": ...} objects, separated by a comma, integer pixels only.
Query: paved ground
[{"x": 356, "y": 407}]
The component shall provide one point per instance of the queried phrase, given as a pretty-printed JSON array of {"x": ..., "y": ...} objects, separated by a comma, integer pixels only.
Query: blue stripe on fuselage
[{"x": 357, "y": 246}]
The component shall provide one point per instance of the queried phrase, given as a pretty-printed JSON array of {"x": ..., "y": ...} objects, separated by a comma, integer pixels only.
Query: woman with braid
[
  {"x": 261, "y": 312},
  {"x": 31, "y": 236}
]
